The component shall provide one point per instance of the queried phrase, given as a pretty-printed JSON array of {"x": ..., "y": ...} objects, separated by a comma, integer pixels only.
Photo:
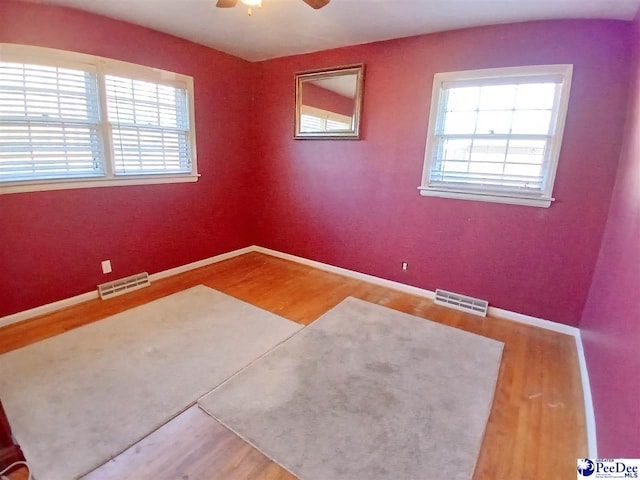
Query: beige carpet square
[
  {"x": 366, "y": 393},
  {"x": 77, "y": 399}
]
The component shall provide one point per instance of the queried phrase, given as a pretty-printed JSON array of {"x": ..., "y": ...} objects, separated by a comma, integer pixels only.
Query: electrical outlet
[
  {"x": 106, "y": 266},
  {"x": 405, "y": 266}
]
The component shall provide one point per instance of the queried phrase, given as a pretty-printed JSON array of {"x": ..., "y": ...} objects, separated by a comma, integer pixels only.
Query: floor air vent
[
  {"x": 462, "y": 302},
  {"x": 124, "y": 285}
]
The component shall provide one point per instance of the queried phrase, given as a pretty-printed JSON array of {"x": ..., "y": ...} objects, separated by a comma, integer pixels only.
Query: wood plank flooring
[{"x": 537, "y": 425}]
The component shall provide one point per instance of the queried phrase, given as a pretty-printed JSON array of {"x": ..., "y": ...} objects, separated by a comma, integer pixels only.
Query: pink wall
[
  {"x": 350, "y": 203},
  {"x": 611, "y": 321},
  {"x": 319, "y": 97},
  {"x": 51, "y": 243},
  {"x": 355, "y": 204}
]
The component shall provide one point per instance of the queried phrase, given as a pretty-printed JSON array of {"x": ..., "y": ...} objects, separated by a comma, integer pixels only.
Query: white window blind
[
  {"x": 496, "y": 135},
  {"x": 150, "y": 127},
  {"x": 314, "y": 119},
  {"x": 309, "y": 123},
  {"x": 49, "y": 123},
  {"x": 71, "y": 120},
  {"x": 333, "y": 125}
]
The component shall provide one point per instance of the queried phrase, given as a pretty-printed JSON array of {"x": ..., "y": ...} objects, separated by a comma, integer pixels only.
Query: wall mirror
[{"x": 328, "y": 103}]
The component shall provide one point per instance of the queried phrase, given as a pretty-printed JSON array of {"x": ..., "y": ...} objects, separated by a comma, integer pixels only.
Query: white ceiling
[
  {"x": 344, "y": 85},
  {"x": 287, "y": 27}
]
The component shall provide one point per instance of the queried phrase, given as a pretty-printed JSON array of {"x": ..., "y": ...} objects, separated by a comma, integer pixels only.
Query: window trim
[
  {"x": 103, "y": 66},
  {"x": 544, "y": 199}
]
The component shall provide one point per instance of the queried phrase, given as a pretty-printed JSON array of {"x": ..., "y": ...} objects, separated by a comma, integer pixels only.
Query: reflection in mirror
[{"x": 328, "y": 103}]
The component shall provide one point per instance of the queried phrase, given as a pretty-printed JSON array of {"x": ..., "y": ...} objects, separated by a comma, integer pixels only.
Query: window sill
[
  {"x": 66, "y": 184},
  {"x": 481, "y": 197}
]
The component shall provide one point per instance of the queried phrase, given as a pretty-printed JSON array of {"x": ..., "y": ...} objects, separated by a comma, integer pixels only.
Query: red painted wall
[
  {"x": 51, "y": 243},
  {"x": 355, "y": 204},
  {"x": 319, "y": 97},
  {"x": 611, "y": 320},
  {"x": 350, "y": 203}
]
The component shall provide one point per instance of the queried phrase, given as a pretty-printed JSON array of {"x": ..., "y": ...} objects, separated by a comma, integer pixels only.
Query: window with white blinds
[
  {"x": 314, "y": 119},
  {"x": 495, "y": 135},
  {"x": 70, "y": 120},
  {"x": 49, "y": 123},
  {"x": 149, "y": 125},
  {"x": 311, "y": 123}
]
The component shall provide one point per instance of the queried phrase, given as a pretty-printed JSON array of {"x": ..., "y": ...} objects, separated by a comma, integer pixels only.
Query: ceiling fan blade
[
  {"x": 316, "y": 3},
  {"x": 226, "y": 3}
]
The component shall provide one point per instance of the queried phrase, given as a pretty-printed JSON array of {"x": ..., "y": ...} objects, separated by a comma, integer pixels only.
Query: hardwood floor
[{"x": 537, "y": 425}]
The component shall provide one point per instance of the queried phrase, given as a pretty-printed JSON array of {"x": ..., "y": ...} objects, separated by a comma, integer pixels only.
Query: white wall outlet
[
  {"x": 106, "y": 266},
  {"x": 405, "y": 265}
]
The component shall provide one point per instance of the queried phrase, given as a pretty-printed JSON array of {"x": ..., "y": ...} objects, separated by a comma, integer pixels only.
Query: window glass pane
[
  {"x": 52, "y": 123},
  {"x": 30, "y": 151},
  {"x": 455, "y": 166},
  {"x": 536, "y": 96},
  {"x": 47, "y": 93},
  {"x": 523, "y": 170},
  {"x": 144, "y": 103},
  {"x": 497, "y": 97},
  {"x": 532, "y": 122},
  {"x": 460, "y": 123},
  {"x": 309, "y": 123},
  {"x": 491, "y": 122},
  {"x": 49, "y": 121},
  {"x": 454, "y": 149},
  {"x": 486, "y": 168},
  {"x": 150, "y": 126},
  {"x": 142, "y": 151},
  {"x": 488, "y": 150},
  {"x": 496, "y": 138},
  {"x": 334, "y": 125},
  {"x": 526, "y": 151},
  {"x": 463, "y": 99}
]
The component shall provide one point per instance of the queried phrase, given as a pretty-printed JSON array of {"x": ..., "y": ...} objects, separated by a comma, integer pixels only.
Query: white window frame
[
  {"x": 489, "y": 77},
  {"x": 103, "y": 66}
]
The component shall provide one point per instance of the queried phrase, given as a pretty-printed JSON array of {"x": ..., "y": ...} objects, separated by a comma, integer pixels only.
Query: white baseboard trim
[
  {"x": 48, "y": 308},
  {"x": 533, "y": 321},
  {"x": 589, "y": 412},
  {"x": 349, "y": 273},
  {"x": 498, "y": 312},
  {"x": 200, "y": 263},
  {"x": 422, "y": 292},
  {"x": 493, "y": 311},
  {"x": 84, "y": 297}
]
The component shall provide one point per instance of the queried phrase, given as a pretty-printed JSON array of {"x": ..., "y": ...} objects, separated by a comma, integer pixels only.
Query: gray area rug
[
  {"x": 77, "y": 399},
  {"x": 366, "y": 393}
]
